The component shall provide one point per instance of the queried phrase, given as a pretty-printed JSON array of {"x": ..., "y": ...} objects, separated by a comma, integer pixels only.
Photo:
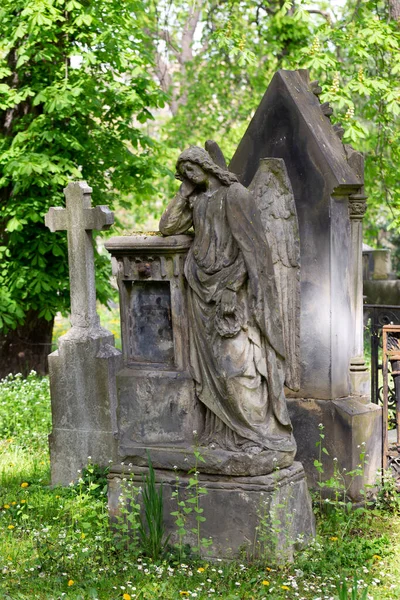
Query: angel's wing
[
  {"x": 216, "y": 153},
  {"x": 273, "y": 193}
]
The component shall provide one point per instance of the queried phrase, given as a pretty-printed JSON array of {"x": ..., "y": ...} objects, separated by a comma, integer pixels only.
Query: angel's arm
[{"x": 177, "y": 217}]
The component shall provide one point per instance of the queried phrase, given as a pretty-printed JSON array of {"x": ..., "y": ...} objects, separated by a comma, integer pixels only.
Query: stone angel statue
[{"x": 237, "y": 341}]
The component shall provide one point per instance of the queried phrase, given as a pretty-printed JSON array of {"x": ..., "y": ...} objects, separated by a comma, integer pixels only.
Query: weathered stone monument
[
  {"x": 238, "y": 339},
  {"x": 204, "y": 347},
  {"x": 380, "y": 284},
  {"x": 308, "y": 191},
  {"x": 83, "y": 369}
]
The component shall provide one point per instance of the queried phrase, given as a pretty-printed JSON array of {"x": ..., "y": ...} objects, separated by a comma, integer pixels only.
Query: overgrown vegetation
[{"x": 56, "y": 542}]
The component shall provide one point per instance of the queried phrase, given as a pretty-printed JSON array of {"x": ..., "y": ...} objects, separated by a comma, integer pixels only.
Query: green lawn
[{"x": 56, "y": 543}]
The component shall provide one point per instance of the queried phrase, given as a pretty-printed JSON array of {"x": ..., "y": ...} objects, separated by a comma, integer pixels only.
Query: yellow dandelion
[
  {"x": 6, "y": 506},
  {"x": 285, "y": 587},
  {"x": 11, "y": 527},
  {"x": 70, "y": 582},
  {"x": 83, "y": 536},
  {"x": 23, "y": 501},
  {"x": 377, "y": 557},
  {"x": 334, "y": 539},
  {"x": 13, "y": 503},
  {"x": 126, "y": 597},
  {"x": 200, "y": 570},
  {"x": 24, "y": 484},
  {"x": 265, "y": 582},
  {"x": 268, "y": 569}
]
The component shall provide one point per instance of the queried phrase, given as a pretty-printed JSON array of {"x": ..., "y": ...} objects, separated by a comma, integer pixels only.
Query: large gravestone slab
[
  {"x": 327, "y": 181},
  {"x": 289, "y": 124}
]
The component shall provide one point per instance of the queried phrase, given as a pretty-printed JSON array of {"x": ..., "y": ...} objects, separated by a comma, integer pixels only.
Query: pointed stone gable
[{"x": 290, "y": 123}]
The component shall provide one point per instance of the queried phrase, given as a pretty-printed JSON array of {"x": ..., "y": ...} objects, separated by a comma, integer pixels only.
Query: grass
[{"x": 56, "y": 543}]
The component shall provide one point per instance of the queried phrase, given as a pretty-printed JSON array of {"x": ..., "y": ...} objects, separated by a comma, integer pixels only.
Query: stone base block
[
  {"x": 83, "y": 402},
  {"x": 69, "y": 451},
  {"x": 267, "y": 516},
  {"x": 351, "y": 426}
]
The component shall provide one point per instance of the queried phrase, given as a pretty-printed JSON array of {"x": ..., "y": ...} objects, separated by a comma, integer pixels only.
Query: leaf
[
  {"x": 22, "y": 59},
  {"x": 72, "y": 4},
  {"x": 14, "y": 225}
]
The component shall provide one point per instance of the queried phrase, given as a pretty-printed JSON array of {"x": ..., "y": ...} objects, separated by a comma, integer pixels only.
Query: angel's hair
[{"x": 200, "y": 157}]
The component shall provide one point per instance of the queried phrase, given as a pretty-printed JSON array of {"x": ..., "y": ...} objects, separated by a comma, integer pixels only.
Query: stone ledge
[
  {"x": 148, "y": 241},
  {"x": 219, "y": 462}
]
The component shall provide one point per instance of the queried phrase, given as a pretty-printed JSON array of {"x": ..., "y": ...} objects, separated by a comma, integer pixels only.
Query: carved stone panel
[{"x": 149, "y": 322}]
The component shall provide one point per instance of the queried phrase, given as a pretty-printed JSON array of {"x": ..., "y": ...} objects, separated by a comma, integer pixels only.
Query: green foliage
[
  {"x": 153, "y": 539},
  {"x": 357, "y": 58},
  {"x": 74, "y": 93},
  {"x": 25, "y": 410},
  {"x": 332, "y": 498},
  {"x": 94, "y": 479},
  {"x": 352, "y": 49},
  {"x": 388, "y": 497},
  {"x": 57, "y": 542},
  {"x": 352, "y": 594},
  {"x": 127, "y": 521},
  {"x": 188, "y": 508}
]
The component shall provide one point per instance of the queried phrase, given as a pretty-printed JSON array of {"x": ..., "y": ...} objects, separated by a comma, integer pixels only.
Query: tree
[
  {"x": 74, "y": 91},
  {"x": 234, "y": 49}
]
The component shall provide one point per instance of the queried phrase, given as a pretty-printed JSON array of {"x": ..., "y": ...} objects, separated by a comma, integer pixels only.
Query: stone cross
[{"x": 79, "y": 219}]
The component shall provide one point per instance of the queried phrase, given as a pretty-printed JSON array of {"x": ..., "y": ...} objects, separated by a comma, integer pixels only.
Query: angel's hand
[
  {"x": 186, "y": 188},
  {"x": 228, "y": 302}
]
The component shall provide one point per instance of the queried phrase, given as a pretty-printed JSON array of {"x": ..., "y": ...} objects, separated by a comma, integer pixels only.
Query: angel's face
[{"x": 193, "y": 173}]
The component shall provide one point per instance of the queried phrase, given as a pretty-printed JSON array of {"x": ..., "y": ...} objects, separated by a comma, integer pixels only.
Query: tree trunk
[
  {"x": 26, "y": 348},
  {"x": 394, "y": 9}
]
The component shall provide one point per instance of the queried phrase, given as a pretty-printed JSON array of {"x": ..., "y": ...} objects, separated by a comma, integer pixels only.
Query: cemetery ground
[{"x": 56, "y": 542}]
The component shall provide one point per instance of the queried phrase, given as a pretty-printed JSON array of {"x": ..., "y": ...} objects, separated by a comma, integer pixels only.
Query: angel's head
[{"x": 196, "y": 165}]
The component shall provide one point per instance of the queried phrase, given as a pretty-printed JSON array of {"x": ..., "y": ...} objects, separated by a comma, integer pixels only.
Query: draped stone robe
[{"x": 237, "y": 359}]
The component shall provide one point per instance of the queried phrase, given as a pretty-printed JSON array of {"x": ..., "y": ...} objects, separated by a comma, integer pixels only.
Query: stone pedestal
[
  {"x": 83, "y": 402},
  {"x": 157, "y": 406},
  {"x": 267, "y": 516}
]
